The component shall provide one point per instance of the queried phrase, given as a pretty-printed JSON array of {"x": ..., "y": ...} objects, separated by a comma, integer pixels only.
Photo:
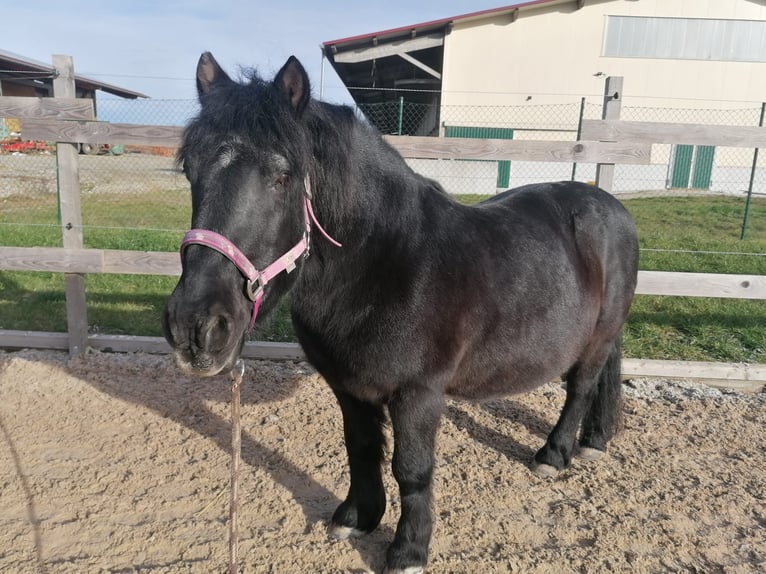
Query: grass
[{"x": 705, "y": 228}]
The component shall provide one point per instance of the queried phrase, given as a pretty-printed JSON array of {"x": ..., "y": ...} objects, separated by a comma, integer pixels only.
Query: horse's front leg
[
  {"x": 365, "y": 504},
  {"x": 415, "y": 413}
]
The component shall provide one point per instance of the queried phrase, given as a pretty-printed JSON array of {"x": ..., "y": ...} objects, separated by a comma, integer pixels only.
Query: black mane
[{"x": 253, "y": 110}]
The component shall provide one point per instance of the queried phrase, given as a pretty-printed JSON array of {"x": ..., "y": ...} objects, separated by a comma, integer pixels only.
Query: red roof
[{"x": 440, "y": 22}]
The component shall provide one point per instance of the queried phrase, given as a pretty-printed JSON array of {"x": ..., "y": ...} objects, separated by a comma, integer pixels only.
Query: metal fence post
[
  {"x": 610, "y": 111},
  {"x": 68, "y": 173},
  {"x": 746, "y": 216},
  {"x": 579, "y": 133},
  {"x": 400, "y": 119}
]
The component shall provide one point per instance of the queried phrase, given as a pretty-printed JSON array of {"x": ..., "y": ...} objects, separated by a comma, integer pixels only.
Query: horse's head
[{"x": 245, "y": 156}]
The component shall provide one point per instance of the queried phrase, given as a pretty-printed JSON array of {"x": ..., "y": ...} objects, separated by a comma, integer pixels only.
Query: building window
[{"x": 685, "y": 39}]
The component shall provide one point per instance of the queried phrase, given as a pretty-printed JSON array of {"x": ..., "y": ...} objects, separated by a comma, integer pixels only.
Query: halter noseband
[{"x": 257, "y": 280}]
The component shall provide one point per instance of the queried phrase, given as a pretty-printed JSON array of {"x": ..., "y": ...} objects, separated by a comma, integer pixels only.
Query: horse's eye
[{"x": 283, "y": 179}]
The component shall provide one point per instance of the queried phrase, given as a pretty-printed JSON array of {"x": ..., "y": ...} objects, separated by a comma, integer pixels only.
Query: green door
[
  {"x": 692, "y": 166},
  {"x": 682, "y": 166},
  {"x": 503, "y": 167},
  {"x": 703, "y": 166}
]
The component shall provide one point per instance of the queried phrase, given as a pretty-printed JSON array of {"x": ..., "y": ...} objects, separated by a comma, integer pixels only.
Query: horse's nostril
[{"x": 216, "y": 333}]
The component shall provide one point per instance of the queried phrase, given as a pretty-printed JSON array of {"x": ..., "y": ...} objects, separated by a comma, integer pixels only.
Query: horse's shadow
[
  {"x": 503, "y": 443},
  {"x": 185, "y": 399}
]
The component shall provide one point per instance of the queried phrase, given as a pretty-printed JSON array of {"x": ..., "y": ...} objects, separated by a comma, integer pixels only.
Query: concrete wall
[{"x": 554, "y": 50}]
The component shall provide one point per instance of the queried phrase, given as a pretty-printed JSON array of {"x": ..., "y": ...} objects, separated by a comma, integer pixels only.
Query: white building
[{"x": 521, "y": 71}]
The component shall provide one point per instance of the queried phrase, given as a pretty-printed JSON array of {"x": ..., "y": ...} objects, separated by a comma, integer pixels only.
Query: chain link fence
[
  {"x": 132, "y": 197},
  {"x": 686, "y": 168},
  {"x": 136, "y": 198},
  {"x": 126, "y": 189},
  {"x": 674, "y": 168}
]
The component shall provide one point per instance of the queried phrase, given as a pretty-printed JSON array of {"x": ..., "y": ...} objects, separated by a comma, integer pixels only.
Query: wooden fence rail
[
  {"x": 61, "y": 260},
  {"x": 68, "y": 120},
  {"x": 669, "y": 133}
]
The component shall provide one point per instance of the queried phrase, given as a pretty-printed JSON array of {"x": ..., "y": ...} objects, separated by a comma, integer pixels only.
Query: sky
[{"x": 152, "y": 46}]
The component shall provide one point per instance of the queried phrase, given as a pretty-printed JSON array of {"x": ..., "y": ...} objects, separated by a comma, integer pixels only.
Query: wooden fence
[{"x": 69, "y": 121}]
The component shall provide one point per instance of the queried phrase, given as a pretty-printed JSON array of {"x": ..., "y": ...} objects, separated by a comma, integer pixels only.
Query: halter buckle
[{"x": 256, "y": 294}]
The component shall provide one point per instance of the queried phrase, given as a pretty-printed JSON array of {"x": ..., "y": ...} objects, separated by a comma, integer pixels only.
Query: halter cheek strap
[{"x": 257, "y": 280}]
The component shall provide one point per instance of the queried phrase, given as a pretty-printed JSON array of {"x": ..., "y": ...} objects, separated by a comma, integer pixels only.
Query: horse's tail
[{"x": 604, "y": 418}]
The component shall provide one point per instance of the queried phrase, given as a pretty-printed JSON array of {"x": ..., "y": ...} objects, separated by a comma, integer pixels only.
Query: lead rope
[{"x": 236, "y": 374}]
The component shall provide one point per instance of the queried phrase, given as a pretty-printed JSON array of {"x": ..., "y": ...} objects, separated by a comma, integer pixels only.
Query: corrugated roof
[
  {"x": 435, "y": 24},
  {"x": 22, "y": 63}
]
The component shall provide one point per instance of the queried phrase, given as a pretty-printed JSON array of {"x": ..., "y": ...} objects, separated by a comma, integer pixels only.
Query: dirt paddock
[{"x": 117, "y": 463}]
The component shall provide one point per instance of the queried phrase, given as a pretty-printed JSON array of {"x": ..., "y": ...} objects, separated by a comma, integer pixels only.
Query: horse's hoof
[
  {"x": 339, "y": 532},
  {"x": 544, "y": 470},
  {"x": 408, "y": 570},
  {"x": 588, "y": 453}
]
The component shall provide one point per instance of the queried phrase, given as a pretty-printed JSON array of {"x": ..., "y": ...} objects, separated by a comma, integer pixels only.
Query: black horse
[{"x": 425, "y": 297}]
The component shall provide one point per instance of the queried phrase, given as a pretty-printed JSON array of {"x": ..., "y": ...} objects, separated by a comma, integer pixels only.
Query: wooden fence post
[
  {"x": 610, "y": 111},
  {"x": 68, "y": 173}
]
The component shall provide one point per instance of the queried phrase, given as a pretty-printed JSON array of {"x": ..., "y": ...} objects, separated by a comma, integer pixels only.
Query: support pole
[
  {"x": 579, "y": 133},
  {"x": 68, "y": 173},
  {"x": 746, "y": 216},
  {"x": 401, "y": 116},
  {"x": 611, "y": 111}
]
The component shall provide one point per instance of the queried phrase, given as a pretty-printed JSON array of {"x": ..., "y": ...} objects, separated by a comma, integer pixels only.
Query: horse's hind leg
[
  {"x": 602, "y": 420},
  {"x": 415, "y": 413},
  {"x": 591, "y": 389},
  {"x": 365, "y": 503}
]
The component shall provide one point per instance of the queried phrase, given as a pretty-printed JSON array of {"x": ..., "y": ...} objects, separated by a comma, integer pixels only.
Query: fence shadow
[{"x": 31, "y": 506}]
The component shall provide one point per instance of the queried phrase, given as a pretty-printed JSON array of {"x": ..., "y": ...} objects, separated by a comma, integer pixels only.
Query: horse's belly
[
  {"x": 483, "y": 382},
  {"x": 514, "y": 364}
]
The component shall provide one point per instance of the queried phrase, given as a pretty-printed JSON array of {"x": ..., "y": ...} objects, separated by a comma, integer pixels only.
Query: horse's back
[
  {"x": 576, "y": 215},
  {"x": 565, "y": 198}
]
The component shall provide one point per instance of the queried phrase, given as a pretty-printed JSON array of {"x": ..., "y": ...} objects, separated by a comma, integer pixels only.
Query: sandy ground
[{"x": 117, "y": 463}]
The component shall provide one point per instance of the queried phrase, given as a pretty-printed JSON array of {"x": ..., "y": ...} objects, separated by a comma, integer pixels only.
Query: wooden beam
[
  {"x": 33, "y": 340},
  {"x": 526, "y": 150},
  {"x": 389, "y": 49},
  {"x": 68, "y": 169},
  {"x": 418, "y": 64},
  {"x": 670, "y": 133},
  {"x": 701, "y": 285},
  {"x": 612, "y": 105},
  {"x": 54, "y": 108},
  {"x": 58, "y": 259},
  {"x": 263, "y": 350},
  {"x": 734, "y": 376},
  {"x": 738, "y": 376},
  {"x": 100, "y": 132}
]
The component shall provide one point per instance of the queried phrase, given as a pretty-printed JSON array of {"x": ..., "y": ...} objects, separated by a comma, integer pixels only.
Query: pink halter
[{"x": 257, "y": 280}]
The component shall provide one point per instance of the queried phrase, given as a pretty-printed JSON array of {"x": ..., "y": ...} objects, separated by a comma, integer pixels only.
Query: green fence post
[
  {"x": 579, "y": 133},
  {"x": 401, "y": 115},
  {"x": 746, "y": 216}
]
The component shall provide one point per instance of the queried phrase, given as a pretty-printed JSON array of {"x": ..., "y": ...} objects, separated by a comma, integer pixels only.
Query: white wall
[{"x": 554, "y": 50}]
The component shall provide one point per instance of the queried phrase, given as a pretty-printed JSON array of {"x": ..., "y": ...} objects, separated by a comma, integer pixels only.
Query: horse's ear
[
  {"x": 293, "y": 81},
  {"x": 208, "y": 73}
]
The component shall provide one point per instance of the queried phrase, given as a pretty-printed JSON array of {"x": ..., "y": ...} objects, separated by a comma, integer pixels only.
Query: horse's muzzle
[{"x": 203, "y": 345}]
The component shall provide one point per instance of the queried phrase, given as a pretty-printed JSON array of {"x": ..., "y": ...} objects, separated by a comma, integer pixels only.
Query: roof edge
[
  {"x": 97, "y": 85},
  {"x": 439, "y": 22}
]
